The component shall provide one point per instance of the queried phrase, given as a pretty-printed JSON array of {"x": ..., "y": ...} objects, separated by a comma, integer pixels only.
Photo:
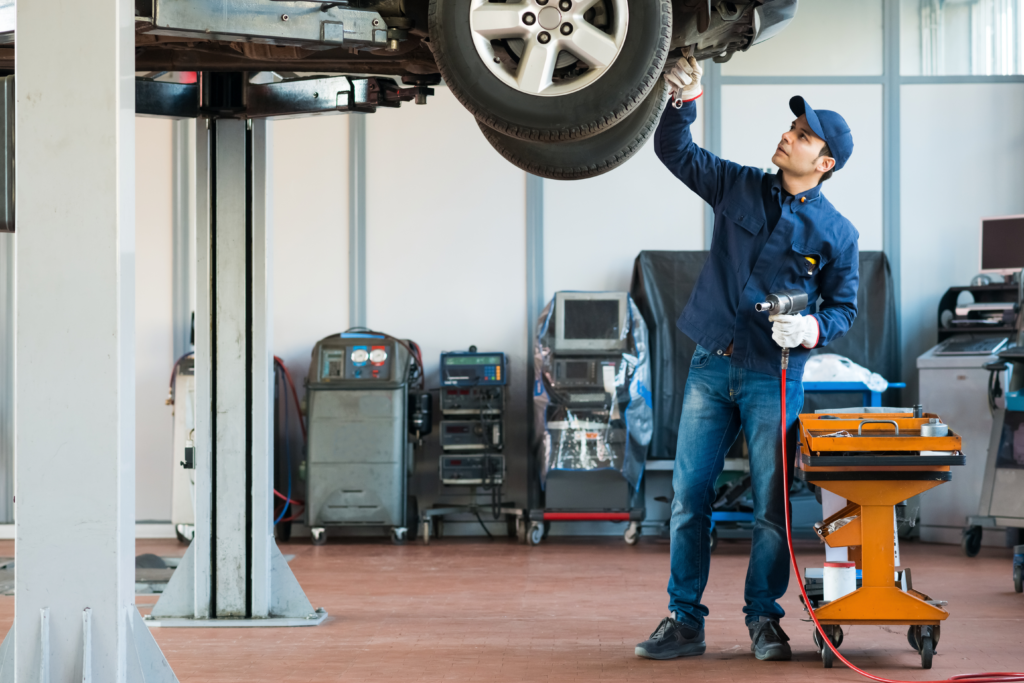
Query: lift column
[{"x": 233, "y": 573}]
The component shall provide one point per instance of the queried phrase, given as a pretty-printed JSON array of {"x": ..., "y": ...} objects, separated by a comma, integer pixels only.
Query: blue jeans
[{"x": 718, "y": 402}]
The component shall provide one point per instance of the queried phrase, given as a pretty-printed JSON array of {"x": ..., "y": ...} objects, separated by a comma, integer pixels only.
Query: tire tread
[{"x": 579, "y": 172}]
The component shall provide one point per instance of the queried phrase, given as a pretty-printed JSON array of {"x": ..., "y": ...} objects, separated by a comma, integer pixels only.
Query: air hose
[{"x": 994, "y": 677}]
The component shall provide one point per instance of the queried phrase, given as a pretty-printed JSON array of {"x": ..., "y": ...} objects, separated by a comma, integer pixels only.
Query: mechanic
[{"x": 772, "y": 232}]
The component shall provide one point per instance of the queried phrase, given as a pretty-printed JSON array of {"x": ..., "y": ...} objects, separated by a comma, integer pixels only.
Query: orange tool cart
[{"x": 875, "y": 461}]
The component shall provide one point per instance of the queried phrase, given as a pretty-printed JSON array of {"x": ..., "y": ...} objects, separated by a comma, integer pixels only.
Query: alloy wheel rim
[{"x": 549, "y": 48}]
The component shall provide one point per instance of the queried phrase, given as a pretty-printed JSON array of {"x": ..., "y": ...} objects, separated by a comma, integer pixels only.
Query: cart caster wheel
[
  {"x": 632, "y": 534},
  {"x": 319, "y": 535},
  {"x": 536, "y": 533},
  {"x": 398, "y": 535},
  {"x": 916, "y": 636},
  {"x": 927, "y": 650},
  {"x": 714, "y": 539},
  {"x": 835, "y": 634},
  {"x": 1018, "y": 579},
  {"x": 521, "y": 529},
  {"x": 971, "y": 542},
  {"x": 426, "y": 532},
  {"x": 827, "y": 658}
]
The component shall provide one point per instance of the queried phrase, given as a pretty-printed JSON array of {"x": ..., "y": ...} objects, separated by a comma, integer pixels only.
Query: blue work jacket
[{"x": 746, "y": 263}]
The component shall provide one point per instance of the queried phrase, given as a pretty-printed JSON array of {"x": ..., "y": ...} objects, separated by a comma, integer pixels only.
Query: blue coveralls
[{"x": 749, "y": 259}]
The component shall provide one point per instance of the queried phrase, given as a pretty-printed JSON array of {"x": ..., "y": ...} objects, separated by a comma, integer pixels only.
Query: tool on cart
[{"x": 870, "y": 516}]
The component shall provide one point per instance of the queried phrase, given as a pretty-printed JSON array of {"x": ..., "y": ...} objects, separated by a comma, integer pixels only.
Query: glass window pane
[
  {"x": 962, "y": 37},
  {"x": 826, "y": 38}
]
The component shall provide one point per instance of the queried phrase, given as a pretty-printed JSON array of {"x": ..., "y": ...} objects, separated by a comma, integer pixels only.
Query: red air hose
[{"x": 995, "y": 677}]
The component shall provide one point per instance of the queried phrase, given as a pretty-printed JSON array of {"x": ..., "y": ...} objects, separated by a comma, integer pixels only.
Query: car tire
[
  {"x": 605, "y": 94},
  {"x": 589, "y": 157}
]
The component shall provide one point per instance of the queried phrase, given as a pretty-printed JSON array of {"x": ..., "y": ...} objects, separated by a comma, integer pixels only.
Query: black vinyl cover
[{"x": 661, "y": 286}]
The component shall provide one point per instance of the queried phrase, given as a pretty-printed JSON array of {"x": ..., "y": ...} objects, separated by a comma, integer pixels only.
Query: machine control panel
[
  {"x": 471, "y": 434},
  {"x": 470, "y": 369},
  {"x": 471, "y": 400},
  {"x": 586, "y": 372},
  {"x": 361, "y": 360},
  {"x": 485, "y": 468}
]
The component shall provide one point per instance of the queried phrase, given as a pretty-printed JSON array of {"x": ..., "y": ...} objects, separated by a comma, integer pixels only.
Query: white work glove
[
  {"x": 790, "y": 331},
  {"x": 684, "y": 79}
]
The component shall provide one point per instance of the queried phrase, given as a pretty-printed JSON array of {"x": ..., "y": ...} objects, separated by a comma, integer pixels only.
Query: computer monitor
[
  {"x": 1002, "y": 244},
  {"x": 591, "y": 322}
]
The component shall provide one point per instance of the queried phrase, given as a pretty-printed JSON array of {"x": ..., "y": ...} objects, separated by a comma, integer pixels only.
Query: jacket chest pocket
[
  {"x": 806, "y": 262},
  {"x": 734, "y": 239}
]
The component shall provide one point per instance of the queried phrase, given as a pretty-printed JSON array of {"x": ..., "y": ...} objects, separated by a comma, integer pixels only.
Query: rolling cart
[{"x": 875, "y": 461}]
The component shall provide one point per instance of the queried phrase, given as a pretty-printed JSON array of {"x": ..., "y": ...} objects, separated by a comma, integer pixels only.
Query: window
[{"x": 962, "y": 37}]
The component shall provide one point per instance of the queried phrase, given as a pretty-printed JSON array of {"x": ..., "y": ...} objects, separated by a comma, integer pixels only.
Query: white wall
[
  {"x": 446, "y": 251},
  {"x": 955, "y": 170},
  {"x": 754, "y": 117},
  {"x": 310, "y": 214},
  {"x": 154, "y": 348},
  {"x": 826, "y": 38},
  {"x": 594, "y": 229}
]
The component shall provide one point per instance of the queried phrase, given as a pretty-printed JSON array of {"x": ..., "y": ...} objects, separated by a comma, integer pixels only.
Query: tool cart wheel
[
  {"x": 927, "y": 650},
  {"x": 536, "y": 533},
  {"x": 318, "y": 535},
  {"x": 1018, "y": 579},
  {"x": 835, "y": 634},
  {"x": 399, "y": 534},
  {"x": 827, "y": 658},
  {"x": 714, "y": 539},
  {"x": 632, "y": 534},
  {"x": 971, "y": 542},
  {"x": 924, "y": 639}
]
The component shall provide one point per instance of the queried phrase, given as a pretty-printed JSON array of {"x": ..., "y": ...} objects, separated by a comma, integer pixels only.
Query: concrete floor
[{"x": 568, "y": 610}]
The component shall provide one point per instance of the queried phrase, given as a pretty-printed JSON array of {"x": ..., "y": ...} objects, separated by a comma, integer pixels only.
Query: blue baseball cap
[{"x": 829, "y": 126}]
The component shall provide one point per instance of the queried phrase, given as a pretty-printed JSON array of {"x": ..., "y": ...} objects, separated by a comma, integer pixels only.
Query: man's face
[{"x": 798, "y": 151}]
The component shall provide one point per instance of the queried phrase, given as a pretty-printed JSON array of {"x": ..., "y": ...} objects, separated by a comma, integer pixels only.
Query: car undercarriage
[{"x": 542, "y": 77}]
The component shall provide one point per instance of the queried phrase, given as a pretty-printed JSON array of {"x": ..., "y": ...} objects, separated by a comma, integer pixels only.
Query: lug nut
[
  {"x": 542, "y": 2},
  {"x": 566, "y": 29},
  {"x": 544, "y": 37},
  {"x": 565, "y": 5},
  {"x": 529, "y": 19}
]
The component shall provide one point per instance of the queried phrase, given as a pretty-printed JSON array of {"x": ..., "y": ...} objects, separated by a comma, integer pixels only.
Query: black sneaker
[
  {"x": 768, "y": 641},
  {"x": 672, "y": 639}
]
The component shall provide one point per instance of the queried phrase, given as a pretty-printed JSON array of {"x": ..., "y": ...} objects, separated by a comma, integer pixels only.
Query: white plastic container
[{"x": 839, "y": 579}]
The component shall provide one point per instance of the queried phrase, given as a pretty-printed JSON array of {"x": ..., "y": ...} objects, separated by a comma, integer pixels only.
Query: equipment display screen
[
  {"x": 1002, "y": 243},
  {"x": 577, "y": 370},
  {"x": 473, "y": 360},
  {"x": 591, "y": 319}
]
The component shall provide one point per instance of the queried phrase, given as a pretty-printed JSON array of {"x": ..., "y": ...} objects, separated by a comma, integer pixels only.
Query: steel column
[
  {"x": 183, "y": 191},
  {"x": 74, "y": 351},
  {"x": 233, "y": 574},
  {"x": 357, "y": 220}
]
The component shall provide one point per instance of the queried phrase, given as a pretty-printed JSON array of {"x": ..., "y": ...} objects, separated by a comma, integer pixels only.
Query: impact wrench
[{"x": 791, "y": 302}]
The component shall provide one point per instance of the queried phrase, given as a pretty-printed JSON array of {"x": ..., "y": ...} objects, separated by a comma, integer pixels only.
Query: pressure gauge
[
  {"x": 360, "y": 355},
  {"x": 378, "y": 355}
]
